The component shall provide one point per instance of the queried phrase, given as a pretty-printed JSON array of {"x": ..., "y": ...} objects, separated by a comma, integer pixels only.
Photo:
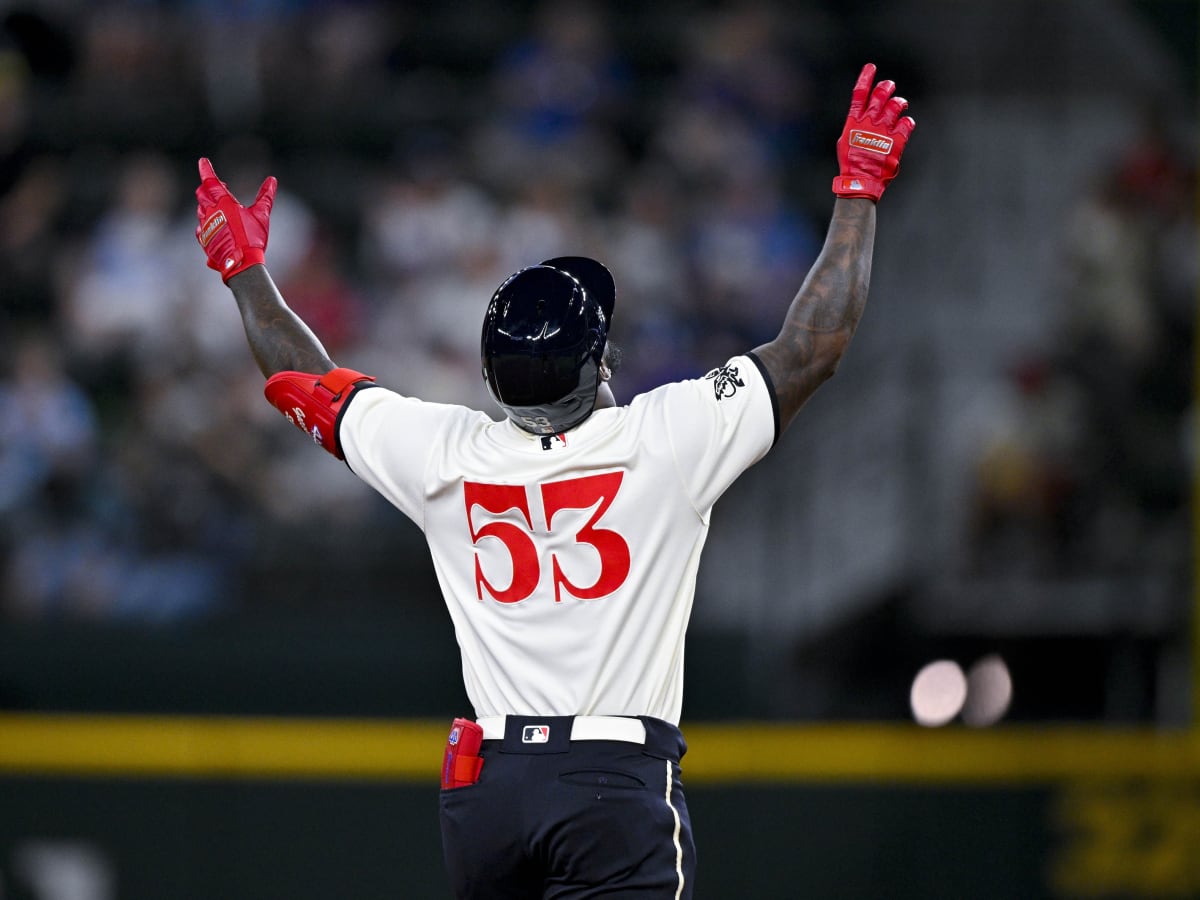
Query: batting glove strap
[{"x": 858, "y": 186}]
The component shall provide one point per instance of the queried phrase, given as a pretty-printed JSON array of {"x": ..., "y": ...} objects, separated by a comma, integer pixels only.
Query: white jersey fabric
[{"x": 568, "y": 564}]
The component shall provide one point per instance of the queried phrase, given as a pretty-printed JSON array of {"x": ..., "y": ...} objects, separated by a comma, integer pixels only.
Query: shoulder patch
[{"x": 726, "y": 380}]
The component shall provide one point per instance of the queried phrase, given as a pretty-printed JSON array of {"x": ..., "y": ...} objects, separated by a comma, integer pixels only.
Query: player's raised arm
[
  {"x": 825, "y": 313},
  {"x": 302, "y": 381},
  {"x": 234, "y": 239}
]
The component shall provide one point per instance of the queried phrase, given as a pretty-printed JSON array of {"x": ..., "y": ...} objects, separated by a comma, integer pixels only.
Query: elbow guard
[{"x": 313, "y": 403}]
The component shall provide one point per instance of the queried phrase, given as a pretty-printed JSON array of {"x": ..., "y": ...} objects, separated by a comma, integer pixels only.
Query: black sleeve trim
[
  {"x": 771, "y": 391},
  {"x": 337, "y": 423}
]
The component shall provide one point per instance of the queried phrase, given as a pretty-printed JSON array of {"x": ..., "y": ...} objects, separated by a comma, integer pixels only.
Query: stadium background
[{"x": 224, "y": 667}]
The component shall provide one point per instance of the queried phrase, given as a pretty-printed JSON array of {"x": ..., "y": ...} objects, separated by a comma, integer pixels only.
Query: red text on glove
[
  {"x": 592, "y": 492},
  {"x": 866, "y": 140}
]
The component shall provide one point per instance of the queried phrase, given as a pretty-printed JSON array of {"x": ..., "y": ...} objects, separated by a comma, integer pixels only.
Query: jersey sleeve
[
  {"x": 719, "y": 426},
  {"x": 388, "y": 440}
]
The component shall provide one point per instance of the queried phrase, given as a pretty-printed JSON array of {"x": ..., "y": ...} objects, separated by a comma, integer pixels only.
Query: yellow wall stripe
[
  {"x": 220, "y": 747},
  {"x": 410, "y": 750},
  {"x": 900, "y": 753}
]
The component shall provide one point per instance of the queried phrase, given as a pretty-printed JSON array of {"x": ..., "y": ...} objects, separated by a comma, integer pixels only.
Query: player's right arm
[
  {"x": 825, "y": 313},
  {"x": 302, "y": 381},
  {"x": 234, "y": 238},
  {"x": 279, "y": 339}
]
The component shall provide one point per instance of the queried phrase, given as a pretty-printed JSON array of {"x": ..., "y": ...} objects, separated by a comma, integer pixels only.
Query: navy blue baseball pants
[{"x": 567, "y": 820}]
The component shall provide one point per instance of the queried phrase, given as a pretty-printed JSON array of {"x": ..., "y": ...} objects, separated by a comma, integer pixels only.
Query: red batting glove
[
  {"x": 233, "y": 237},
  {"x": 874, "y": 138}
]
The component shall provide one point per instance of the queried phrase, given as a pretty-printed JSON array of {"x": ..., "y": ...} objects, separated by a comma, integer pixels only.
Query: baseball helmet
[{"x": 543, "y": 339}]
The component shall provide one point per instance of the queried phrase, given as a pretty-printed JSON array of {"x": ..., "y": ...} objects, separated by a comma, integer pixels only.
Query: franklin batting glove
[
  {"x": 874, "y": 138},
  {"x": 233, "y": 237}
]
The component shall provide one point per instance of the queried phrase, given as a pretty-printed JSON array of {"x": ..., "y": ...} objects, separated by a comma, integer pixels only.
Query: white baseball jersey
[{"x": 568, "y": 564}]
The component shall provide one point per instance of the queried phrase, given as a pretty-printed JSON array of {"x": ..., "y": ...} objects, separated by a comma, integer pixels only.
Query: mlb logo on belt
[{"x": 535, "y": 734}]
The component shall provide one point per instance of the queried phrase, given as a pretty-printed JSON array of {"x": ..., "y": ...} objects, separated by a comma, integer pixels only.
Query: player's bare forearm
[
  {"x": 825, "y": 313},
  {"x": 278, "y": 338}
]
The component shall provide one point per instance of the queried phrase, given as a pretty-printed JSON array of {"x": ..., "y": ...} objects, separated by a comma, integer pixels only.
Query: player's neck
[{"x": 604, "y": 397}]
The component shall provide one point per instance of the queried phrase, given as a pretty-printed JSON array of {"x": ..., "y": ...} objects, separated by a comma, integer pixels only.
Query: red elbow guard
[{"x": 313, "y": 402}]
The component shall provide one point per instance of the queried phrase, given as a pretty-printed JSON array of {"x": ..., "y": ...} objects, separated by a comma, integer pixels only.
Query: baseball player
[{"x": 566, "y": 537}]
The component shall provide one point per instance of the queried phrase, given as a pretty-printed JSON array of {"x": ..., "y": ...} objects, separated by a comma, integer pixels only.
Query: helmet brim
[{"x": 595, "y": 278}]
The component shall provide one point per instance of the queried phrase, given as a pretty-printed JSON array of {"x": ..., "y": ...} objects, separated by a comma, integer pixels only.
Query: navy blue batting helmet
[{"x": 543, "y": 339}]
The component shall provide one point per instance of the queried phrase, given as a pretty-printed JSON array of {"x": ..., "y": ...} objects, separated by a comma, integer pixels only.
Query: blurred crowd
[
  {"x": 423, "y": 155},
  {"x": 1087, "y": 467},
  {"x": 422, "y": 158}
]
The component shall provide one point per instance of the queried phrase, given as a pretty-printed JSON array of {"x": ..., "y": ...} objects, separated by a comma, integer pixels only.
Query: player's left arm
[{"x": 825, "y": 313}]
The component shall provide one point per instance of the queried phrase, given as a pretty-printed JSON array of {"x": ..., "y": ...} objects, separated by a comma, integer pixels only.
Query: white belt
[{"x": 583, "y": 728}]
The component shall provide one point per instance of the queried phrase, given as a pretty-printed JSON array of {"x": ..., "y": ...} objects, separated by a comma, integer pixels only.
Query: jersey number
[{"x": 575, "y": 493}]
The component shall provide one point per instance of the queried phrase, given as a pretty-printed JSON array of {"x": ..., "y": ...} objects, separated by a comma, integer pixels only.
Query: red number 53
[{"x": 574, "y": 493}]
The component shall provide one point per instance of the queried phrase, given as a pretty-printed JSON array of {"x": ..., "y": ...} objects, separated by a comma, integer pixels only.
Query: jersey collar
[{"x": 506, "y": 433}]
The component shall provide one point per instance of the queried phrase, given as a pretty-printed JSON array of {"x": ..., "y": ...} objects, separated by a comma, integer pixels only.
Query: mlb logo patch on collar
[
  {"x": 535, "y": 734},
  {"x": 554, "y": 441}
]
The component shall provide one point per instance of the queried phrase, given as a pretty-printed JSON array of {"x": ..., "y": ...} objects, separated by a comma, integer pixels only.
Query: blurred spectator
[
  {"x": 67, "y": 565},
  {"x": 423, "y": 216},
  {"x": 1030, "y": 463},
  {"x": 323, "y": 297},
  {"x": 29, "y": 244},
  {"x": 131, "y": 82},
  {"x": 44, "y": 41},
  {"x": 645, "y": 241},
  {"x": 123, "y": 303},
  {"x": 1155, "y": 165},
  {"x": 48, "y": 428},
  {"x": 544, "y": 219},
  {"x": 560, "y": 100},
  {"x": 426, "y": 339},
  {"x": 750, "y": 253},
  {"x": 231, "y": 59},
  {"x": 1107, "y": 289},
  {"x": 741, "y": 62},
  {"x": 16, "y": 110},
  {"x": 315, "y": 64},
  {"x": 705, "y": 142}
]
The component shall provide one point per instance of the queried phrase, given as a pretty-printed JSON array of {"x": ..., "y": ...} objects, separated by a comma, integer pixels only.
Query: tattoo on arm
[
  {"x": 825, "y": 313},
  {"x": 278, "y": 338}
]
